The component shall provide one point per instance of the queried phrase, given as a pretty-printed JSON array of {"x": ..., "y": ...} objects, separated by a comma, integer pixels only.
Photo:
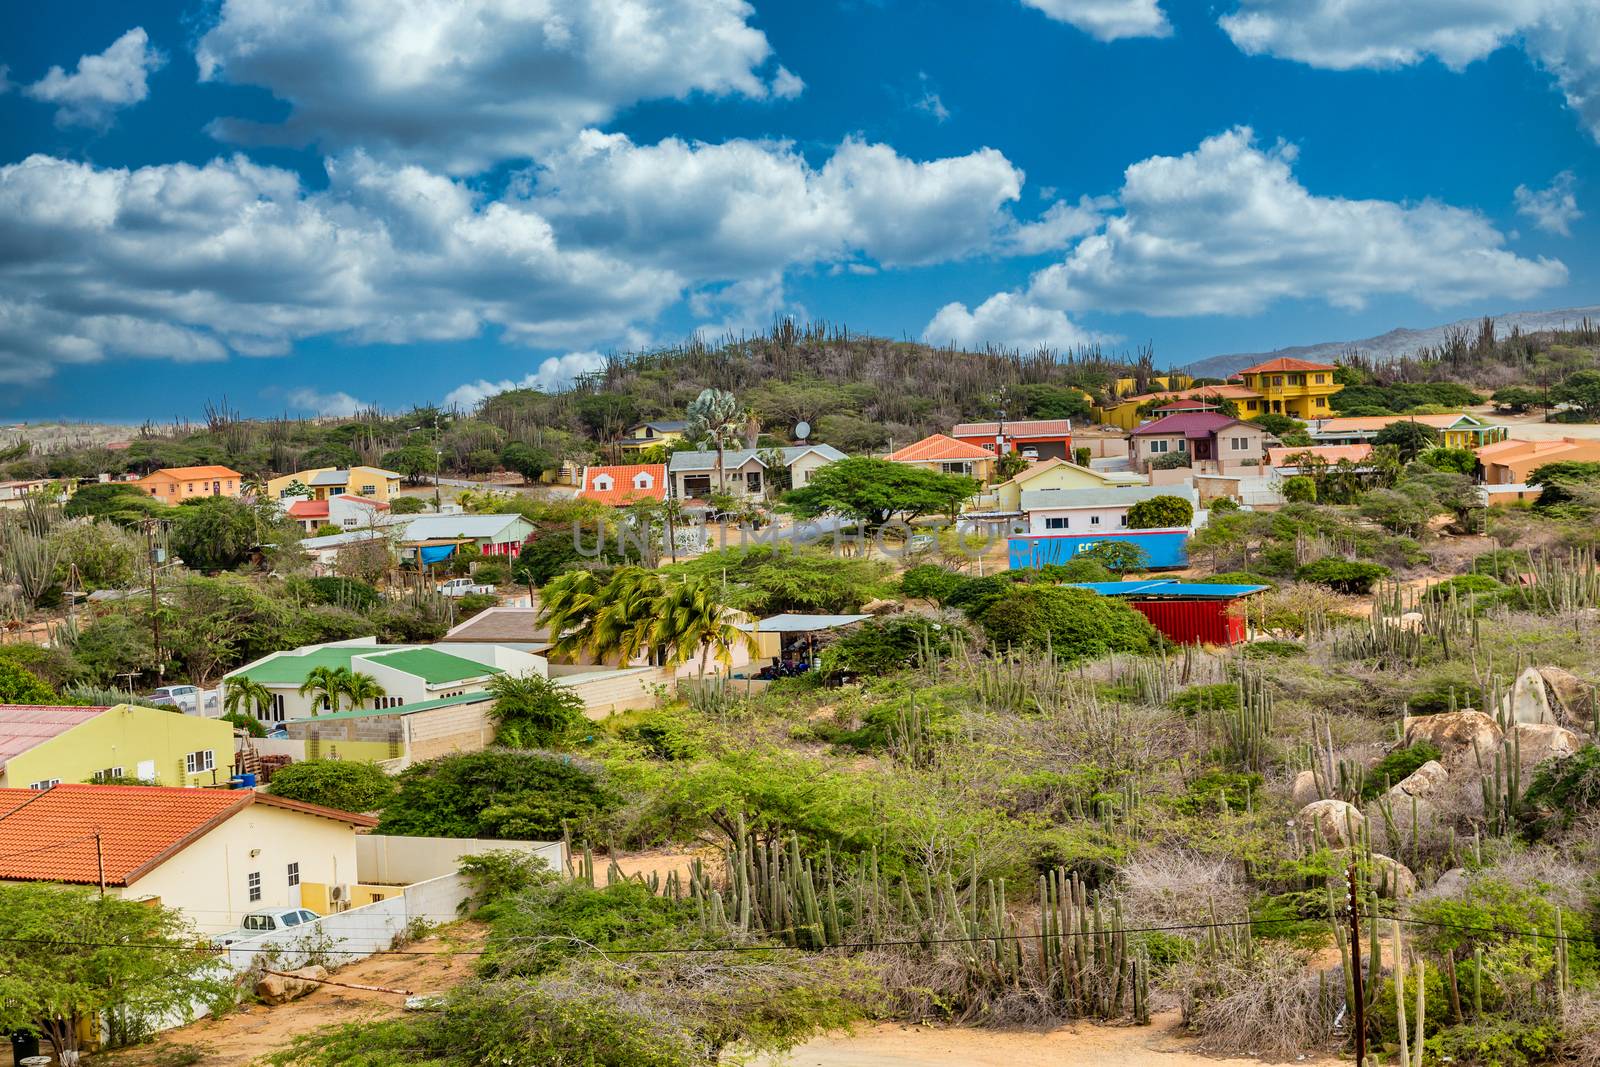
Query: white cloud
[
  {"x": 188, "y": 262},
  {"x": 930, "y": 101},
  {"x": 1552, "y": 210},
  {"x": 734, "y": 210},
  {"x": 1563, "y": 36},
  {"x": 1060, "y": 225},
  {"x": 786, "y": 84},
  {"x": 1108, "y": 20},
  {"x": 1007, "y": 320},
  {"x": 555, "y": 373},
  {"x": 326, "y": 403},
  {"x": 1227, "y": 229},
  {"x": 102, "y": 85},
  {"x": 459, "y": 85}
]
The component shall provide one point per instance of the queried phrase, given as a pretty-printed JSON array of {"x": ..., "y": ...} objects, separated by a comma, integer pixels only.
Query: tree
[
  {"x": 1405, "y": 510},
  {"x": 113, "y": 646},
  {"x": 1343, "y": 575},
  {"x": 325, "y": 685},
  {"x": 607, "y": 415},
  {"x": 1009, "y": 466},
  {"x": 692, "y": 622},
  {"x": 530, "y": 711},
  {"x": 1458, "y": 460},
  {"x": 359, "y": 688},
  {"x": 1160, "y": 513},
  {"x": 714, "y": 417},
  {"x": 1580, "y": 392},
  {"x": 346, "y": 785},
  {"x": 1408, "y": 437},
  {"x": 214, "y": 533},
  {"x": 1277, "y": 424},
  {"x": 1041, "y": 400},
  {"x": 18, "y": 686},
  {"x": 876, "y": 490},
  {"x": 106, "y": 555},
  {"x": 328, "y": 529},
  {"x": 243, "y": 693},
  {"x": 529, "y": 461},
  {"x": 1300, "y": 489},
  {"x": 407, "y": 505},
  {"x": 498, "y": 794},
  {"x": 1516, "y": 399},
  {"x": 1569, "y": 482},
  {"x": 413, "y": 462},
  {"x": 1073, "y": 623},
  {"x": 1118, "y": 557},
  {"x": 66, "y": 965},
  {"x": 118, "y": 501}
]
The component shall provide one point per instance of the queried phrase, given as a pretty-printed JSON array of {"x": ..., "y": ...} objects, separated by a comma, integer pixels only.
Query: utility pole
[
  {"x": 1358, "y": 1010},
  {"x": 155, "y": 600},
  {"x": 100, "y": 862}
]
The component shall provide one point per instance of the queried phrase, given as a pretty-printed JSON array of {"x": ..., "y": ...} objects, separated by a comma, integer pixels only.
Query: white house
[
  {"x": 1091, "y": 510},
  {"x": 495, "y": 535},
  {"x": 694, "y": 474}
]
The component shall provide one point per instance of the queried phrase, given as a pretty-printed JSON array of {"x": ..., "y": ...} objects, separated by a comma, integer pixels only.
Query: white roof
[
  {"x": 794, "y": 624},
  {"x": 444, "y": 527},
  {"x": 1046, "y": 499},
  {"x": 733, "y": 458}
]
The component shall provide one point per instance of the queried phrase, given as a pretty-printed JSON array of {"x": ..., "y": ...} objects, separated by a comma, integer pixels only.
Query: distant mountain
[{"x": 1395, "y": 343}]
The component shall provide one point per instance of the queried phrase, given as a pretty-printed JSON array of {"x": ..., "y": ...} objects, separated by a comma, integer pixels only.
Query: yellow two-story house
[
  {"x": 44, "y": 746},
  {"x": 1294, "y": 387},
  {"x": 321, "y": 483}
]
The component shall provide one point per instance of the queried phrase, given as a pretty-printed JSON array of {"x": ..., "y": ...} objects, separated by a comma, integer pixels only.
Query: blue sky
[{"x": 306, "y": 204}]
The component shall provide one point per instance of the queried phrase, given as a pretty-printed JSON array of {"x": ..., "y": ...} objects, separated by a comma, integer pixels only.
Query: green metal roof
[
  {"x": 288, "y": 669},
  {"x": 433, "y": 666},
  {"x": 403, "y": 709}
]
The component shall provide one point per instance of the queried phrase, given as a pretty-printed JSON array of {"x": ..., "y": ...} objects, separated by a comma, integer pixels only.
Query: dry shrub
[
  {"x": 1271, "y": 1004},
  {"x": 1580, "y": 1030},
  {"x": 1162, "y": 886}
]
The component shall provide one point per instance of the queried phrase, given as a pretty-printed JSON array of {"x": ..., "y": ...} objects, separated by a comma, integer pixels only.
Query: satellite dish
[{"x": 802, "y": 431}]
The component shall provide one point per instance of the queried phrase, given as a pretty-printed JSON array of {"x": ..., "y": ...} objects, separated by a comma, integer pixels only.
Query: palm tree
[
  {"x": 692, "y": 622},
  {"x": 530, "y": 710},
  {"x": 567, "y": 606},
  {"x": 361, "y": 688},
  {"x": 626, "y": 617},
  {"x": 244, "y": 692},
  {"x": 714, "y": 415},
  {"x": 324, "y": 685}
]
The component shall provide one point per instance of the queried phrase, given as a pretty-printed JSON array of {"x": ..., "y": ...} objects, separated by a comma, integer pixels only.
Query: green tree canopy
[
  {"x": 497, "y": 794},
  {"x": 1160, "y": 512},
  {"x": 1408, "y": 437},
  {"x": 18, "y": 686},
  {"x": 214, "y": 533},
  {"x": 876, "y": 490},
  {"x": 347, "y": 785},
  {"x": 1580, "y": 392},
  {"x": 1073, "y": 623},
  {"x": 530, "y": 711}
]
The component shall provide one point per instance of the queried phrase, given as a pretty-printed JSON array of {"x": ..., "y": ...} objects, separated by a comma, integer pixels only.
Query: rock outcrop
[
  {"x": 1423, "y": 782},
  {"x": 1527, "y": 702},
  {"x": 1331, "y": 822},
  {"x": 1536, "y": 743},
  {"x": 1303, "y": 791},
  {"x": 290, "y": 985},
  {"x": 1455, "y": 734},
  {"x": 1391, "y": 878}
]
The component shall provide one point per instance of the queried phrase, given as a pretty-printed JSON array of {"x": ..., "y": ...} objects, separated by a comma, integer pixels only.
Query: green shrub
[
  {"x": 342, "y": 784},
  {"x": 1493, "y": 1042},
  {"x": 497, "y": 794},
  {"x": 1216, "y": 789},
  {"x": 1466, "y": 587},
  {"x": 1160, "y": 512},
  {"x": 491, "y": 572},
  {"x": 664, "y": 736},
  {"x": 343, "y": 592},
  {"x": 1081, "y": 569},
  {"x": 1222, "y": 505},
  {"x": 500, "y": 873},
  {"x": 929, "y": 581},
  {"x": 1566, "y": 787},
  {"x": 18, "y": 686},
  {"x": 248, "y": 723},
  {"x": 1501, "y": 562},
  {"x": 1273, "y": 650},
  {"x": 1396, "y": 767},
  {"x": 1234, "y": 578},
  {"x": 1073, "y": 623},
  {"x": 1343, "y": 575},
  {"x": 1196, "y": 698},
  {"x": 881, "y": 647},
  {"x": 974, "y": 595},
  {"x": 531, "y": 711}
]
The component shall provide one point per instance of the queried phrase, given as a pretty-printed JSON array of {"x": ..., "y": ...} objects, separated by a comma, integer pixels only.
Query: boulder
[
  {"x": 1536, "y": 743},
  {"x": 1451, "y": 883},
  {"x": 1527, "y": 701},
  {"x": 1411, "y": 620},
  {"x": 1332, "y": 822},
  {"x": 1304, "y": 789},
  {"x": 882, "y": 607},
  {"x": 290, "y": 985},
  {"x": 1424, "y": 781},
  {"x": 1454, "y": 734},
  {"x": 1392, "y": 878},
  {"x": 1571, "y": 698}
]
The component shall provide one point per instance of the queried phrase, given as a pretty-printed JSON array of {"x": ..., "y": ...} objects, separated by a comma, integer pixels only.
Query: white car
[
  {"x": 457, "y": 587},
  {"x": 268, "y": 921},
  {"x": 184, "y": 697}
]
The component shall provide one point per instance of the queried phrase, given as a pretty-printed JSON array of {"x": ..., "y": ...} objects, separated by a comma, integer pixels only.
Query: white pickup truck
[{"x": 458, "y": 587}]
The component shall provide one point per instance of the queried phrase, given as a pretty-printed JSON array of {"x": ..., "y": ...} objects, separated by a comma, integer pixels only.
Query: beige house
[
  {"x": 213, "y": 854},
  {"x": 1212, "y": 442},
  {"x": 745, "y": 472},
  {"x": 1056, "y": 474},
  {"x": 370, "y": 483}
]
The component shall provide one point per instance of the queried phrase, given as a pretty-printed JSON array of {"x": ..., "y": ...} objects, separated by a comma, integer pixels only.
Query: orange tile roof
[
  {"x": 622, "y": 490},
  {"x": 940, "y": 448},
  {"x": 23, "y": 726},
  {"x": 1284, "y": 455},
  {"x": 182, "y": 473},
  {"x": 1284, "y": 363},
  {"x": 1015, "y": 428},
  {"x": 1224, "y": 392},
  {"x": 1377, "y": 422},
  {"x": 49, "y": 835}
]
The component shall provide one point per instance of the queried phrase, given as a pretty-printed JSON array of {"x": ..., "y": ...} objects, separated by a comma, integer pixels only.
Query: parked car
[
  {"x": 267, "y": 921},
  {"x": 184, "y": 697},
  {"x": 458, "y": 587}
]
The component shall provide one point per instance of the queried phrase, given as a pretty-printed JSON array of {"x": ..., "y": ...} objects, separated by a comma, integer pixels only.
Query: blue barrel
[{"x": 242, "y": 781}]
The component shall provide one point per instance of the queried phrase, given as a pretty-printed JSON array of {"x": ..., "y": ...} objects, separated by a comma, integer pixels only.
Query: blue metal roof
[{"x": 1167, "y": 587}]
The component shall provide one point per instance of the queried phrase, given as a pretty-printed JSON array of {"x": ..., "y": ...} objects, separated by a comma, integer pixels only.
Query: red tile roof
[
  {"x": 49, "y": 835},
  {"x": 1188, "y": 424},
  {"x": 1284, "y": 363},
  {"x": 308, "y": 509},
  {"x": 1284, "y": 455},
  {"x": 1223, "y": 392},
  {"x": 22, "y": 726},
  {"x": 376, "y": 505},
  {"x": 183, "y": 473},
  {"x": 1015, "y": 429},
  {"x": 622, "y": 490},
  {"x": 940, "y": 448}
]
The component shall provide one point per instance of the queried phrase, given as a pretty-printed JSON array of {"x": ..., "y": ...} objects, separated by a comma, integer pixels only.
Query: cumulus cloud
[
  {"x": 326, "y": 403},
  {"x": 1060, "y": 225},
  {"x": 458, "y": 86},
  {"x": 553, "y": 374},
  {"x": 1007, "y": 320},
  {"x": 1554, "y": 209},
  {"x": 1108, "y": 20},
  {"x": 740, "y": 208},
  {"x": 1563, "y": 36},
  {"x": 1228, "y": 229},
  {"x": 190, "y": 262},
  {"x": 102, "y": 85}
]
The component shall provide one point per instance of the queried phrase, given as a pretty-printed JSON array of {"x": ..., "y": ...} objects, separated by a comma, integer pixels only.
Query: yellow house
[
  {"x": 1057, "y": 474},
  {"x": 214, "y": 854},
  {"x": 43, "y": 746},
  {"x": 647, "y": 435},
  {"x": 1294, "y": 387},
  {"x": 1124, "y": 386},
  {"x": 369, "y": 483},
  {"x": 1125, "y": 413}
]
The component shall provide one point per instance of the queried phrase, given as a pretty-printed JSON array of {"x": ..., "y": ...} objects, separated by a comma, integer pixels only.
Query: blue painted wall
[{"x": 1165, "y": 548}]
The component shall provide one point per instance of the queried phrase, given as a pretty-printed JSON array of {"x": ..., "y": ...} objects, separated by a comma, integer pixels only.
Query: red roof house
[
  {"x": 948, "y": 456},
  {"x": 624, "y": 483},
  {"x": 1208, "y": 437},
  {"x": 1044, "y": 438}
]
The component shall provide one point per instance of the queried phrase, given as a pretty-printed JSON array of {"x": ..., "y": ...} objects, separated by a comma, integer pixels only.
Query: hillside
[{"x": 1397, "y": 343}]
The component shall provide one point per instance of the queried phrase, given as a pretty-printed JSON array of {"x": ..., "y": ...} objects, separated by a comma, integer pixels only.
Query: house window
[
  {"x": 48, "y": 783},
  {"x": 200, "y": 762},
  {"x": 369, "y": 490},
  {"x": 1057, "y": 522},
  {"x": 602, "y": 483},
  {"x": 1277, "y": 379},
  {"x": 1239, "y": 444},
  {"x": 1183, "y": 444},
  {"x": 1321, "y": 378},
  {"x": 1322, "y": 401},
  {"x": 252, "y": 886},
  {"x": 1094, "y": 520},
  {"x": 697, "y": 485},
  {"x": 1122, "y": 520},
  {"x": 1160, "y": 446},
  {"x": 191, "y": 487},
  {"x": 1250, "y": 405},
  {"x": 275, "y": 710},
  {"x": 294, "y": 874},
  {"x": 752, "y": 481},
  {"x": 109, "y": 774}
]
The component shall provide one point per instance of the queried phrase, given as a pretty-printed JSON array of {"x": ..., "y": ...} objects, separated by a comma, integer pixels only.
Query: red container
[{"x": 1193, "y": 622}]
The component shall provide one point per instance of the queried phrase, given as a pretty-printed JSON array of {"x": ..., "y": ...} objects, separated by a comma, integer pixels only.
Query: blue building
[{"x": 1162, "y": 548}]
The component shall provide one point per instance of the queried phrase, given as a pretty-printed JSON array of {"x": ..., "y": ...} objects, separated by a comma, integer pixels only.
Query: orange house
[{"x": 172, "y": 485}]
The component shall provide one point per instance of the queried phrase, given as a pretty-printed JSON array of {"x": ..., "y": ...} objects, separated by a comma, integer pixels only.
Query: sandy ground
[
  {"x": 1160, "y": 1044},
  {"x": 1532, "y": 427}
]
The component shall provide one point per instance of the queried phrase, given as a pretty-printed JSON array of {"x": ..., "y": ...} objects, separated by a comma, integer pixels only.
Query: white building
[{"x": 1092, "y": 510}]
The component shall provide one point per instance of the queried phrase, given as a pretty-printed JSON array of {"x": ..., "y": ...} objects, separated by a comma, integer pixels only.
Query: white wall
[
  {"x": 510, "y": 659},
  {"x": 383, "y": 859},
  {"x": 1080, "y": 520}
]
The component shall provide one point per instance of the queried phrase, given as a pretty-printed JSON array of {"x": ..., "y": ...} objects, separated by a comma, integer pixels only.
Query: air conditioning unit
[{"x": 339, "y": 897}]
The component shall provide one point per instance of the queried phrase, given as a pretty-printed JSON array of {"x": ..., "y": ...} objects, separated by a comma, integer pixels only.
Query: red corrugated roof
[
  {"x": 940, "y": 448},
  {"x": 1284, "y": 363},
  {"x": 1188, "y": 423},
  {"x": 1019, "y": 428},
  {"x": 183, "y": 473},
  {"x": 376, "y": 505},
  {"x": 49, "y": 835},
  {"x": 22, "y": 726},
  {"x": 308, "y": 509},
  {"x": 622, "y": 490},
  {"x": 1285, "y": 455}
]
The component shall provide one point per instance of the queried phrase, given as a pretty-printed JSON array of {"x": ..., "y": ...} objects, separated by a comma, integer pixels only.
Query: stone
[
  {"x": 1393, "y": 879},
  {"x": 1303, "y": 790},
  {"x": 1527, "y": 701},
  {"x": 1411, "y": 620},
  {"x": 1536, "y": 743},
  {"x": 1571, "y": 698},
  {"x": 1424, "y": 781},
  {"x": 1333, "y": 822},
  {"x": 1451, "y": 883},
  {"x": 882, "y": 607},
  {"x": 1454, "y": 734},
  {"x": 290, "y": 985}
]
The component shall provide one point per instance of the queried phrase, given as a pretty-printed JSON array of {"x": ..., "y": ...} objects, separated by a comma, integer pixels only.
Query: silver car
[{"x": 268, "y": 921}]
